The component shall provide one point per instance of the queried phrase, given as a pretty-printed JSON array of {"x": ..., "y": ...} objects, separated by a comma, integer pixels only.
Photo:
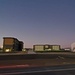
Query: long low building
[
  {"x": 11, "y": 44},
  {"x": 46, "y": 48}
]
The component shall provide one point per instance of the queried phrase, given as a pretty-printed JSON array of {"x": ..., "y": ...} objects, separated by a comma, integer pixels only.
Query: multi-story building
[{"x": 11, "y": 44}]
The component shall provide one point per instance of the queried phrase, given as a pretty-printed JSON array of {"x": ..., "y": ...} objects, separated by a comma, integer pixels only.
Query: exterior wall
[
  {"x": 55, "y": 47},
  {"x": 9, "y": 41},
  {"x": 16, "y": 45},
  {"x": 8, "y": 44},
  {"x": 20, "y": 45},
  {"x": 43, "y": 48},
  {"x": 38, "y": 47}
]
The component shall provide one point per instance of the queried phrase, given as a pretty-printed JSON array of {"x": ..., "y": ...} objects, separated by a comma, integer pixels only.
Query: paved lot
[{"x": 48, "y": 70}]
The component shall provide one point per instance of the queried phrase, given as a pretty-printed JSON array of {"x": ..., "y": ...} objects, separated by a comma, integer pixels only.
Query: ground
[{"x": 38, "y": 62}]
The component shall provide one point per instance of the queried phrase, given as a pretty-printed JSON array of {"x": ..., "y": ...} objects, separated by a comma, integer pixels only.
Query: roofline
[{"x": 10, "y": 38}]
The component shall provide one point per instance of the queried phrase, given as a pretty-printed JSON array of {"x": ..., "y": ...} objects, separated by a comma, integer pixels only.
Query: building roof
[{"x": 10, "y": 38}]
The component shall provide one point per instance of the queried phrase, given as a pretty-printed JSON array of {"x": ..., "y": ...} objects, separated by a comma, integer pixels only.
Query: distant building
[
  {"x": 11, "y": 44},
  {"x": 46, "y": 48},
  {"x": 73, "y": 47}
]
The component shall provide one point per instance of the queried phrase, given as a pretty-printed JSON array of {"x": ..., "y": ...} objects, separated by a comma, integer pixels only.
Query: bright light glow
[
  {"x": 39, "y": 48},
  {"x": 24, "y": 50},
  {"x": 7, "y": 50}
]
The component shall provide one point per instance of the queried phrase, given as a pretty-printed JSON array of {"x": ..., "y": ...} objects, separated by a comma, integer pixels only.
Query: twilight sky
[{"x": 38, "y": 21}]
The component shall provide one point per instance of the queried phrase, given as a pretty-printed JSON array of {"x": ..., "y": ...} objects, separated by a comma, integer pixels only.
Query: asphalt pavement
[{"x": 48, "y": 70}]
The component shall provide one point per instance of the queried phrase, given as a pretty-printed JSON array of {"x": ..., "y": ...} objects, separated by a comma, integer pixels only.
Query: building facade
[
  {"x": 11, "y": 44},
  {"x": 46, "y": 48}
]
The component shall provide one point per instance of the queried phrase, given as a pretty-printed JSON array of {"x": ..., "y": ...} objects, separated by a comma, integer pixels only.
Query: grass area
[
  {"x": 38, "y": 62},
  {"x": 38, "y": 59}
]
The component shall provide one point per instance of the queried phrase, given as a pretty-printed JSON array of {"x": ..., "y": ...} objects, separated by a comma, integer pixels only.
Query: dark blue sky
[{"x": 38, "y": 21}]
